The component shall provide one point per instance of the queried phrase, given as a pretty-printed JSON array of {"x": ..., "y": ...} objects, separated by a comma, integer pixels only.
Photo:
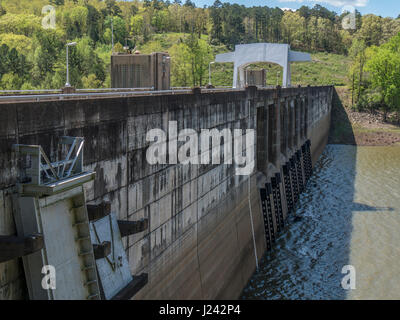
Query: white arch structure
[{"x": 246, "y": 54}]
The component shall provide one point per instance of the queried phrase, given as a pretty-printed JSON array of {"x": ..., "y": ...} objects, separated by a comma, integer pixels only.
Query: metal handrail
[
  {"x": 52, "y": 97},
  {"x": 113, "y": 94},
  {"x": 116, "y": 89},
  {"x": 36, "y": 90}
]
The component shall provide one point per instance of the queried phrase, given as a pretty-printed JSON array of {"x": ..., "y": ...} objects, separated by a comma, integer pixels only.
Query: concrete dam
[{"x": 201, "y": 225}]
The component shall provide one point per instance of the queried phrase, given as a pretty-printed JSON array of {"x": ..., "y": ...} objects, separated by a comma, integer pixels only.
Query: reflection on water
[{"x": 349, "y": 215}]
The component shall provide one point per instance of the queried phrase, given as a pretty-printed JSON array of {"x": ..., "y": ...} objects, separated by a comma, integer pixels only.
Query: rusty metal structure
[{"x": 256, "y": 77}]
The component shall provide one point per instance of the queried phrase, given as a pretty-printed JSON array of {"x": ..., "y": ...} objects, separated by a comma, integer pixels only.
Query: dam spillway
[{"x": 199, "y": 240}]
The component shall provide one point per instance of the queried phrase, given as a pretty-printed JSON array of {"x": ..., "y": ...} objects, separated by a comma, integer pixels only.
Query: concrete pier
[{"x": 199, "y": 243}]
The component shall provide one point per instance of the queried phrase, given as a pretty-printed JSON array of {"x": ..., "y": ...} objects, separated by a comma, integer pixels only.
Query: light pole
[
  {"x": 67, "y": 84},
  {"x": 209, "y": 72}
]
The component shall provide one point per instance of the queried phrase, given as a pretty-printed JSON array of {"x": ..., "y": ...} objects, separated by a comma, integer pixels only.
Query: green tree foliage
[
  {"x": 10, "y": 81},
  {"x": 90, "y": 81},
  {"x": 358, "y": 54},
  {"x": 143, "y": 24},
  {"x": 293, "y": 28},
  {"x": 94, "y": 19},
  {"x": 21, "y": 43},
  {"x": 13, "y": 68},
  {"x": 112, "y": 8},
  {"x": 371, "y": 30},
  {"x": 384, "y": 68},
  {"x": 190, "y": 60},
  {"x": 74, "y": 21},
  {"x": 374, "y": 76},
  {"x": 2, "y": 10},
  {"x": 161, "y": 20},
  {"x": 120, "y": 30},
  {"x": 25, "y": 24}
]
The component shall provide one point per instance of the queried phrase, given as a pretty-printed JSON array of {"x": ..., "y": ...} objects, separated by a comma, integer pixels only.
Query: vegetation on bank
[
  {"x": 352, "y": 127},
  {"x": 375, "y": 77}
]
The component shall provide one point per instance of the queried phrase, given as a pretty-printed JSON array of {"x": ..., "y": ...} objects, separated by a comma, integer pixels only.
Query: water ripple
[{"x": 350, "y": 215}]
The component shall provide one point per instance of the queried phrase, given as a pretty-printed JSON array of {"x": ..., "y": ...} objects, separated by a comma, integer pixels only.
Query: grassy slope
[{"x": 325, "y": 68}]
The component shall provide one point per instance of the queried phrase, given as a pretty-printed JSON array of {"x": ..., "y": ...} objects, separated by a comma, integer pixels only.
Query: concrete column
[
  {"x": 273, "y": 130},
  {"x": 284, "y": 127},
  {"x": 235, "y": 76},
  {"x": 297, "y": 106},
  {"x": 262, "y": 139},
  {"x": 287, "y": 75},
  {"x": 242, "y": 82},
  {"x": 292, "y": 125},
  {"x": 303, "y": 119}
]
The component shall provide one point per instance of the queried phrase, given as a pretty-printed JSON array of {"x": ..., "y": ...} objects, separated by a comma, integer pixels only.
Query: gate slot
[
  {"x": 288, "y": 187},
  {"x": 263, "y": 195},
  {"x": 269, "y": 211}
]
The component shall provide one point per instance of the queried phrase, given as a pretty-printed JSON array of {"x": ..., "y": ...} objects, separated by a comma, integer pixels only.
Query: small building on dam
[{"x": 140, "y": 217}]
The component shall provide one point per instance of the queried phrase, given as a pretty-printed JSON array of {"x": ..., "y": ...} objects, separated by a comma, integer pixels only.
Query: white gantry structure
[{"x": 246, "y": 54}]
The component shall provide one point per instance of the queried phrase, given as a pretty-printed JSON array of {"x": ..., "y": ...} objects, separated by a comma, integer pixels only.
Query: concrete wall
[{"x": 199, "y": 242}]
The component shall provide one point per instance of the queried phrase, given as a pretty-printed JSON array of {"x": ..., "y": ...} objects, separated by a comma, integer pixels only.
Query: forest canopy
[{"x": 34, "y": 57}]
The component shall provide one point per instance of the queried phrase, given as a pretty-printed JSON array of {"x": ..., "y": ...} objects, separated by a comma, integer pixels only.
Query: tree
[
  {"x": 87, "y": 61},
  {"x": 119, "y": 27},
  {"x": 200, "y": 56},
  {"x": 90, "y": 82},
  {"x": 139, "y": 28},
  {"x": 20, "y": 42},
  {"x": 74, "y": 21},
  {"x": 2, "y": 10},
  {"x": 93, "y": 22},
  {"x": 189, "y": 3},
  {"x": 112, "y": 8},
  {"x": 25, "y": 24},
  {"x": 57, "y": 2},
  {"x": 390, "y": 27},
  {"x": 190, "y": 60},
  {"x": 10, "y": 81},
  {"x": 48, "y": 46},
  {"x": 358, "y": 54},
  {"x": 160, "y": 20},
  {"x": 371, "y": 30},
  {"x": 293, "y": 28},
  {"x": 304, "y": 12},
  {"x": 384, "y": 69},
  {"x": 321, "y": 12},
  {"x": 14, "y": 65}
]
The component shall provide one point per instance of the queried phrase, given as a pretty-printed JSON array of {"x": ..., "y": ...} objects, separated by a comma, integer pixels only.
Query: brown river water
[{"x": 349, "y": 215}]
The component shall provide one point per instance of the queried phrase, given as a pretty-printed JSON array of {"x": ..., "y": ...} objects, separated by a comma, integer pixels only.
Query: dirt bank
[{"x": 359, "y": 128}]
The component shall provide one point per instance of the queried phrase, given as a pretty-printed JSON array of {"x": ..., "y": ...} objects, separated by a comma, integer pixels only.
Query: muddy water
[{"x": 349, "y": 215}]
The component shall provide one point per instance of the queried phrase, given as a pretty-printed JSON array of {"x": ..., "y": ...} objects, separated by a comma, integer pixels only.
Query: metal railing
[
  {"x": 115, "y": 89},
  {"x": 30, "y": 91},
  {"x": 82, "y": 94}
]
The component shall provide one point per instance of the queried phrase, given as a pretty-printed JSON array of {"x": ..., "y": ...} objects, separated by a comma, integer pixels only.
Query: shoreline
[{"x": 350, "y": 127}]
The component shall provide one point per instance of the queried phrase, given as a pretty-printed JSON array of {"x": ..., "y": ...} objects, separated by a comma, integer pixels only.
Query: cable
[{"x": 252, "y": 226}]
